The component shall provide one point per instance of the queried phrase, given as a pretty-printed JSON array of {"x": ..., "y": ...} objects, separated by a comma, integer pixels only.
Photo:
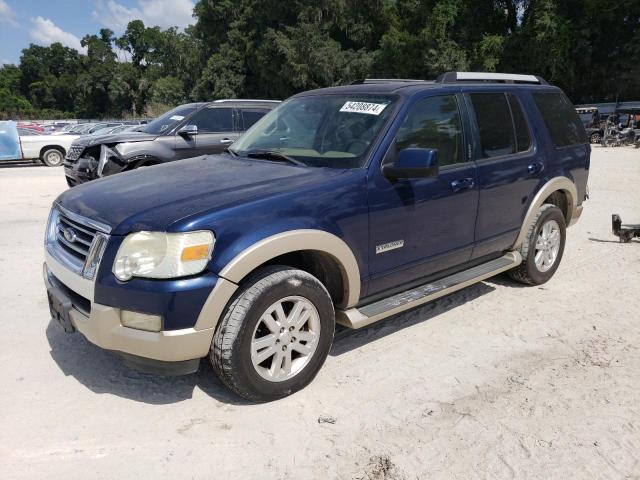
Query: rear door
[{"x": 510, "y": 165}]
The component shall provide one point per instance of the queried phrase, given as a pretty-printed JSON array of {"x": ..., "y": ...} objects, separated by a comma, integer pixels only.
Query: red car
[{"x": 31, "y": 126}]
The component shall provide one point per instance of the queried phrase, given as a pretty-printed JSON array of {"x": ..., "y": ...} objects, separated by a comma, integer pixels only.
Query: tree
[{"x": 273, "y": 49}]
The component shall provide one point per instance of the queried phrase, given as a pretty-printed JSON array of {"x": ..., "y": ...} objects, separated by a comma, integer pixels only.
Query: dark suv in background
[{"x": 186, "y": 131}]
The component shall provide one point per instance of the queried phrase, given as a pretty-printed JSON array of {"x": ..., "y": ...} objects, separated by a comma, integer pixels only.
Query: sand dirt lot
[{"x": 497, "y": 381}]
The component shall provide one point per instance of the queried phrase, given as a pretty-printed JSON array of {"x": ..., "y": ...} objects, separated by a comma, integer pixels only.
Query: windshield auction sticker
[{"x": 363, "y": 107}]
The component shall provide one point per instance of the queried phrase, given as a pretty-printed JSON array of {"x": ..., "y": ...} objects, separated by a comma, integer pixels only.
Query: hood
[
  {"x": 156, "y": 197},
  {"x": 122, "y": 137}
]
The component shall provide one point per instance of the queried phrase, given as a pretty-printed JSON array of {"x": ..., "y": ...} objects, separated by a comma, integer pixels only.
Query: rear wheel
[
  {"x": 595, "y": 137},
  {"x": 275, "y": 335},
  {"x": 542, "y": 248},
  {"x": 52, "y": 157}
]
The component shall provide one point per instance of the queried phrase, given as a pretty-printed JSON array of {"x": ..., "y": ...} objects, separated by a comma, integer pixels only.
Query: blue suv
[{"x": 343, "y": 205}]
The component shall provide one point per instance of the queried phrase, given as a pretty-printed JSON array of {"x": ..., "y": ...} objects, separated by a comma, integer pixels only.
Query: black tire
[
  {"x": 595, "y": 137},
  {"x": 230, "y": 352},
  {"x": 528, "y": 272},
  {"x": 53, "y": 157}
]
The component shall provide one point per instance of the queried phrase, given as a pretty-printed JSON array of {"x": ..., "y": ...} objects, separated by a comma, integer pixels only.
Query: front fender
[
  {"x": 292, "y": 241},
  {"x": 273, "y": 246}
]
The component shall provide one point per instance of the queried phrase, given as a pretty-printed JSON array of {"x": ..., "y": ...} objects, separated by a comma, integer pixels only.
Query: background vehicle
[
  {"x": 593, "y": 122},
  {"x": 186, "y": 131},
  {"x": 51, "y": 149},
  {"x": 31, "y": 126},
  {"x": 23, "y": 144},
  {"x": 25, "y": 132},
  {"x": 622, "y": 127},
  {"x": 347, "y": 204}
]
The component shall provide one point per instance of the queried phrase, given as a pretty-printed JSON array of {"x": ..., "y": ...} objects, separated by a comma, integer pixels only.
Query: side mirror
[
  {"x": 413, "y": 163},
  {"x": 188, "y": 131}
]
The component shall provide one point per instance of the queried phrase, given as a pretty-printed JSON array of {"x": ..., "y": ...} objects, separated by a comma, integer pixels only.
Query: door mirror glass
[
  {"x": 188, "y": 131},
  {"x": 413, "y": 163}
]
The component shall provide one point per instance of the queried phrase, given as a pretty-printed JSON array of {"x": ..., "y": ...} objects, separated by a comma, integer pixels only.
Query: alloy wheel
[
  {"x": 547, "y": 246},
  {"x": 285, "y": 339}
]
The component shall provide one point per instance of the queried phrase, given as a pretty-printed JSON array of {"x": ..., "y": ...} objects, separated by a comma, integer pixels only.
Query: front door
[
  {"x": 216, "y": 130},
  {"x": 422, "y": 226}
]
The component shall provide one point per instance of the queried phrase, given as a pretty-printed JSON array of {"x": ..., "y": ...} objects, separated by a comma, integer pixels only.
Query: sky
[{"x": 43, "y": 22}]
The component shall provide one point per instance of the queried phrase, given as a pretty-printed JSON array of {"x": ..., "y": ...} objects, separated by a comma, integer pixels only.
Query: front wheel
[
  {"x": 275, "y": 335},
  {"x": 542, "y": 248},
  {"x": 595, "y": 137},
  {"x": 52, "y": 157}
]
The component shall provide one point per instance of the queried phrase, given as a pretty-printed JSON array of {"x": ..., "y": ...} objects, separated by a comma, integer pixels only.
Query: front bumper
[
  {"x": 79, "y": 171},
  {"x": 171, "y": 351},
  {"x": 87, "y": 168}
]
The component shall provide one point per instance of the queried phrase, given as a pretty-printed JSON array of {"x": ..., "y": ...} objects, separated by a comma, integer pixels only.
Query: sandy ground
[{"x": 496, "y": 381}]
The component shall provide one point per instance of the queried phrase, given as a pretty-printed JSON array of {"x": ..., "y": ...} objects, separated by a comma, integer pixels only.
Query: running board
[{"x": 362, "y": 316}]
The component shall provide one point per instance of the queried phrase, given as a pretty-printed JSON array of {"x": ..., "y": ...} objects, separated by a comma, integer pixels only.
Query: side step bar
[{"x": 359, "y": 317}]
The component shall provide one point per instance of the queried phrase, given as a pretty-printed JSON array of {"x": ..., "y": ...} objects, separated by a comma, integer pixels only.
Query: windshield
[
  {"x": 166, "y": 122},
  {"x": 333, "y": 131}
]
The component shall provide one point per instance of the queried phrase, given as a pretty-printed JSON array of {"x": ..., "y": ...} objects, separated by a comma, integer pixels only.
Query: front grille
[
  {"x": 75, "y": 241},
  {"x": 74, "y": 153},
  {"x": 74, "y": 238}
]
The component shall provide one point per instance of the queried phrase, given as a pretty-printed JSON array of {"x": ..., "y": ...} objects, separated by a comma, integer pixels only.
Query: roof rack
[
  {"x": 385, "y": 80},
  {"x": 245, "y": 100},
  {"x": 456, "y": 77}
]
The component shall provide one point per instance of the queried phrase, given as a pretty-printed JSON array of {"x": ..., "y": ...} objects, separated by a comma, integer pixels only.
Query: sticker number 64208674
[{"x": 363, "y": 107}]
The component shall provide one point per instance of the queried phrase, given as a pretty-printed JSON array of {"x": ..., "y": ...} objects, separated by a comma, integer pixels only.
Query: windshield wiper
[
  {"x": 273, "y": 155},
  {"x": 231, "y": 152}
]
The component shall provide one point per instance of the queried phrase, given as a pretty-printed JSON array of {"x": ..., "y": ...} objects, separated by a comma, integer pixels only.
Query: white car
[{"x": 51, "y": 149}]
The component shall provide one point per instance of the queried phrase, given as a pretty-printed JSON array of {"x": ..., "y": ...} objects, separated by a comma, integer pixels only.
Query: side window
[
  {"x": 561, "y": 119},
  {"x": 213, "y": 120},
  {"x": 435, "y": 123},
  {"x": 523, "y": 137},
  {"x": 494, "y": 122},
  {"x": 251, "y": 116}
]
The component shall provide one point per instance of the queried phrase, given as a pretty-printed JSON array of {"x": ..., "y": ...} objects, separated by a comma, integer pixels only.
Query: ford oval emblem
[{"x": 70, "y": 235}]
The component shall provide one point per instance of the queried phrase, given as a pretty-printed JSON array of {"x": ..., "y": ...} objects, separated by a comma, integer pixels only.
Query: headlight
[{"x": 163, "y": 255}]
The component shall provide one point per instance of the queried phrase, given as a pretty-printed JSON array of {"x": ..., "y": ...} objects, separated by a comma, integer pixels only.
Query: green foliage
[
  {"x": 167, "y": 90},
  {"x": 273, "y": 49}
]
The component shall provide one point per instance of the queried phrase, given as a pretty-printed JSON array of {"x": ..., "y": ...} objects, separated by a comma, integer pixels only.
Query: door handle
[
  {"x": 226, "y": 140},
  {"x": 462, "y": 184},
  {"x": 534, "y": 168}
]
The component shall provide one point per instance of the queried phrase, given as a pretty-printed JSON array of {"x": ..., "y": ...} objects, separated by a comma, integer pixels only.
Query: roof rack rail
[
  {"x": 455, "y": 77},
  {"x": 223, "y": 100},
  {"x": 385, "y": 80}
]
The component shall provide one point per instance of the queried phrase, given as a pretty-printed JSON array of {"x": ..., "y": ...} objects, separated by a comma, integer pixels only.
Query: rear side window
[
  {"x": 561, "y": 119},
  {"x": 497, "y": 137},
  {"x": 523, "y": 137},
  {"x": 251, "y": 116}
]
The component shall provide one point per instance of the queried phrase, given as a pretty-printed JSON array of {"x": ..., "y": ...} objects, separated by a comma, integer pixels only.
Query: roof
[
  {"x": 409, "y": 87},
  {"x": 243, "y": 101},
  {"x": 387, "y": 87}
]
